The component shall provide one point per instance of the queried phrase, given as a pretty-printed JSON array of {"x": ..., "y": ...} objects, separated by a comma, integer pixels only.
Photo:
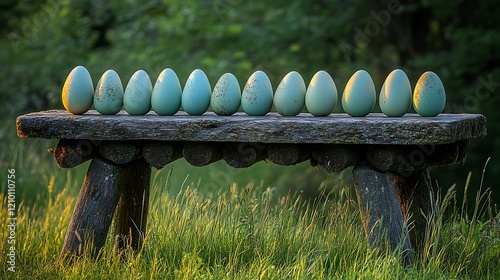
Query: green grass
[
  {"x": 252, "y": 234},
  {"x": 207, "y": 223}
]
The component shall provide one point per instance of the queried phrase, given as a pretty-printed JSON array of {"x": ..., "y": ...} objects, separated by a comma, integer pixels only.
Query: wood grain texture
[
  {"x": 242, "y": 155},
  {"x": 381, "y": 213},
  {"x": 404, "y": 160},
  {"x": 71, "y": 153},
  {"x": 131, "y": 215},
  {"x": 201, "y": 153},
  {"x": 335, "y": 158},
  {"x": 416, "y": 196},
  {"x": 160, "y": 153},
  {"x": 94, "y": 209},
  {"x": 375, "y": 128},
  {"x": 288, "y": 154},
  {"x": 120, "y": 152}
]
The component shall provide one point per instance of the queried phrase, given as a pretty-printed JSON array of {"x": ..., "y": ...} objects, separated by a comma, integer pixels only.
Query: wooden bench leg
[
  {"x": 381, "y": 212},
  {"x": 129, "y": 226},
  {"x": 94, "y": 209},
  {"x": 416, "y": 196}
]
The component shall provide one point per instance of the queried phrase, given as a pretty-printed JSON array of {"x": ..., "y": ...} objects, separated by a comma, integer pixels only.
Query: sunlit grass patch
[{"x": 248, "y": 233}]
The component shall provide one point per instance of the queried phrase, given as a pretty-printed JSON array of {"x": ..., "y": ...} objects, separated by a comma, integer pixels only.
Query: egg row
[{"x": 256, "y": 99}]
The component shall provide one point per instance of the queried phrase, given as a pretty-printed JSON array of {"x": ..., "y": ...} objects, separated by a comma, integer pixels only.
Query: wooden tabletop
[{"x": 375, "y": 128}]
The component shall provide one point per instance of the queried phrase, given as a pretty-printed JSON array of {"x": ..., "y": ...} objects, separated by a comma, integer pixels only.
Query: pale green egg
[
  {"x": 78, "y": 91},
  {"x": 429, "y": 96},
  {"x": 167, "y": 93},
  {"x": 359, "y": 95},
  {"x": 257, "y": 95},
  {"x": 196, "y": 93},
  {"x": 108, "y": 97},
  {"x": 290, "y": 95},
  {"x": 321, "y": 95},
  {"x": 395, "y": 95},
  {"x": 226, "y": 96},
  {"x": 137, "y": 96}
]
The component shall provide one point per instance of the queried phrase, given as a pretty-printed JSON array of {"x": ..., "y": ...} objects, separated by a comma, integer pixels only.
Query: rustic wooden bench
[{"x": 391, "y": 158}]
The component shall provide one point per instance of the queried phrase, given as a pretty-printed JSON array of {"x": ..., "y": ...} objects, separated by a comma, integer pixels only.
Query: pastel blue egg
[
  {"x": 395, "y": 95},
  {"x": 226, "y": 96},
  {"x": 321, "y": 95},
  {"x": 167, "y": 93},
  {"x": 290, "y": 95},
  {"x": 137, "y": 96},
  {"x": 196, "y": 93},
  {"x": 359, "y": 95},
  {"x": 108, "y": 97},
  {"x": 78, "y": 91},
  {"x": 257, "y": 95},
  {"x": 429, "y": 96}
]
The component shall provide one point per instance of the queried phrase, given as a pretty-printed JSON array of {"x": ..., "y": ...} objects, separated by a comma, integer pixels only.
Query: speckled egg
[
  {"x": 395, "y": 95},
  {"x": 196, "y": 93},
  {"x": 167, "y": 93},
  {"x": 290, "y": 95},
  {"x": 108, "y": 97},
  {"x": 78, "y": 91},
  {"x": 321, "y": 95},
  {"x": 137, "y": 96},
  {"x": 359, "y": 95},
  {"x": 429, "y": 97},
  {"x": 226, "y": 96},
  {"x": 257, "y": 95}
]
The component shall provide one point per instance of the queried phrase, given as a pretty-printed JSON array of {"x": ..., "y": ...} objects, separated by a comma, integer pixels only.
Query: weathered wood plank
[
  {"x": 381, "y": 212},
  {"x": 376, "y": 128},
  {"x": 94, "y": 209}
]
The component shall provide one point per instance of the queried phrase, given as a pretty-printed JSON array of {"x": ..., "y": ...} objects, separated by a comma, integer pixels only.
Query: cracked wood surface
[{"x": 373, "y": 129}]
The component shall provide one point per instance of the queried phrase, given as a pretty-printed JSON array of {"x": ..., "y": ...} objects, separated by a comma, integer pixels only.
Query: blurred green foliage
[{"x": 41, "y": 41}]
